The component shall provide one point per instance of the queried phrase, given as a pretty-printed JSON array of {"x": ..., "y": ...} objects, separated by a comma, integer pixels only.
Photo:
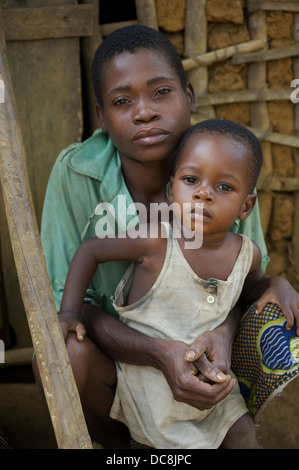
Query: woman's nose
[{"x": 144, "y": 111}]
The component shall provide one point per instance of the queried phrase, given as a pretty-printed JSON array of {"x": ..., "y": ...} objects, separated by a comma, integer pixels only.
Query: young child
[
  {"x": 178, "y": 293},
  {"x": 144, "y": 104}
]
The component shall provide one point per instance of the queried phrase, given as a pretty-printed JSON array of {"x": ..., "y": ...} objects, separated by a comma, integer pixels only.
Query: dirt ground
[{"x": 25, "y": 421}]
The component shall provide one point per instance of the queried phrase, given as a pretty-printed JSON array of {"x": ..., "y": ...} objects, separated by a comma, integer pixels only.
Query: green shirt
[{"x": 85, "y": 182}]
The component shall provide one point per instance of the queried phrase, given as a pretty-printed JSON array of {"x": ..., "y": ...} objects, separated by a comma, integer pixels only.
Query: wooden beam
[
  {"x": 244, "y": 95},
  {"x": 276, "y": 137},
  {"x": 270, "y": 5},
  {"x": 26, "y": 24},
  {"x": 218, "y": 55},
  {"x": 270, "y": 54},
  {"x": 273, "y": 183},
  {"x": 55, "y": 369}
]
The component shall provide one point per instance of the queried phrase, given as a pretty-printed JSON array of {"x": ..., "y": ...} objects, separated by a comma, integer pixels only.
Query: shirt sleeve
[
  {"x": 253, "y": 229},
  {"x": 60, "y": 234}
]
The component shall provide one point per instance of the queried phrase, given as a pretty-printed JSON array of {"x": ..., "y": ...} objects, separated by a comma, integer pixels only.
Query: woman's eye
[
  {"x": 163, "y": 91},
  {"x": 225, "y": 187},
  {"x": 121, "y": 101}
]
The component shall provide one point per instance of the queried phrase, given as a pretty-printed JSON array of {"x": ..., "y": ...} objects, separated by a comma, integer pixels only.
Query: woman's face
[{"x": 145, "y": 109}]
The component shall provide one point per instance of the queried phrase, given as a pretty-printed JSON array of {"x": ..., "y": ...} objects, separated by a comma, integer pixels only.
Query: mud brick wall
[{"x": 254, "y": 89}]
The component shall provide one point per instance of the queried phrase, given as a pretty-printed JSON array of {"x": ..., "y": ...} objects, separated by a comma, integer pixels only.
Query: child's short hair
[
  {"x": 233, "y": 131},
  {"x": 129, "y": 39}
]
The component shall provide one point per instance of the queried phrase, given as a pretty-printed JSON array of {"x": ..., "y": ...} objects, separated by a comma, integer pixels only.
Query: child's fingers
[{"x": 80, "y": 332}]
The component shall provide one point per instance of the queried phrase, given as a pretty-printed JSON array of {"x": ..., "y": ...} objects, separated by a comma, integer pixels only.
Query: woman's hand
[{"x": 184, "y": 383}]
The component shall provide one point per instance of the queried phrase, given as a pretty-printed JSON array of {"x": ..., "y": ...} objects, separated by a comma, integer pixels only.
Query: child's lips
[
  {"x": 200, "y": 213},
  {"x": 150, "y": 136}
]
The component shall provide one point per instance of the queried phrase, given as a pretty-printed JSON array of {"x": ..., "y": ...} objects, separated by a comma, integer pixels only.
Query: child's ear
[
  {"x": 100, "y": 114},
  {"x": 248, "y": 206}
]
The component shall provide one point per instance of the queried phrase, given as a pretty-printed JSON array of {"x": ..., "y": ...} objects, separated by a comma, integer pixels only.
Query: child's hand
[
  {"x": 70, "y": 322},
  {"x": 281, "y": 292}
]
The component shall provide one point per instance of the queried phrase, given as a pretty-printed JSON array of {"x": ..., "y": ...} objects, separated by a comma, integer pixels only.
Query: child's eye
[
  {"x": 225, "y": 187},
  {"x": 190, "y": 179}
]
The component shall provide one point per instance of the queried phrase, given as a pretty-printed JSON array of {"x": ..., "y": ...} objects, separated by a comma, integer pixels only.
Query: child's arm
[
  {"x": 265, "y": 289},
  {"x": 83, "y": 266}
]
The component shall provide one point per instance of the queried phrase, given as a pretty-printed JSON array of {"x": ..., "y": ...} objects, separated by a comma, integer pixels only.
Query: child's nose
[{"x": 203, "y": 194}]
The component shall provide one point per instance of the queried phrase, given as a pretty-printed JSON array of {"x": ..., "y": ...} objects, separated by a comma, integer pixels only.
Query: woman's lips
[{"x": 150, "y": 136}]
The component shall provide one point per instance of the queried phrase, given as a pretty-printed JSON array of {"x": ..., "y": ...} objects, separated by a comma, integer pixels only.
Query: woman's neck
[{"x": 146, "y": 182}]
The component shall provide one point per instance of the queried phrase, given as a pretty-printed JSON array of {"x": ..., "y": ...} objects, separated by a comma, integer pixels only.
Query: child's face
[
  {"x": 145, "y": 110},
  {"x": 214, "y": 171}
]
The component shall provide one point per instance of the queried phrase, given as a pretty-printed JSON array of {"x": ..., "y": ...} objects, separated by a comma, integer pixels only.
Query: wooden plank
[
  {"x": 212, "y": 57},
  {"x": 244, "y": 95},
  {"x": 146, "y": 13},
  {"x": 272, "y": 183},
  {"x": 272, "y": 5},
  {"x": 259, "y": 116},
  {"x": 58, "y": 382},
  {"x": 295, "y": 234},
  {"x": 276, "y": 137},
  {"x": 47, "y": 84},
  {"x": 195, "y": 43},
  {"x": 22, "y": 24},
  {"x": 108, "y": 28},
  {"x": 270, "y": 54}
]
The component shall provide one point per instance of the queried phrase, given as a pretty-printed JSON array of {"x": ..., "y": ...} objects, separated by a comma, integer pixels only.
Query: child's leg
[{"x": 241, "y": 435}]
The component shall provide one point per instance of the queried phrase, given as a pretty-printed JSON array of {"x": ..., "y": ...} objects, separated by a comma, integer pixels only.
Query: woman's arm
[{"x": 125, "y": 344}]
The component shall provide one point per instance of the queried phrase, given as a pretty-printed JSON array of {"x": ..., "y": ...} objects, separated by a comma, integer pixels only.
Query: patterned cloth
[{"x": 265, "y": 357}]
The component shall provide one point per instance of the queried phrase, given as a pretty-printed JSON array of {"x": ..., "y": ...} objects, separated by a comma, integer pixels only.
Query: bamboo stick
[
  {"x": 276, "y": 137},
  {"x": 250, "y": 95},
  {"x": 88, "y": 48},
  {"x": 272, "y": 5},
  {"x": 271, "y": 54},
  {"x": 270, "y": 182},
  {"x": 108, "y": 28},
  {"x": 59, "y": 386},
  {"x": 196, "y": 44},
  {"x": 146, "y": 13},
  {"x": 295, "y": 235},
  {"x": 210, "y": 58},
  {"x": 259, "y": 111}
]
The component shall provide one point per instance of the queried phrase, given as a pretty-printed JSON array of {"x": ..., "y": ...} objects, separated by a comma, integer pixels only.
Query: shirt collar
[{"x": 97, "y": 158}]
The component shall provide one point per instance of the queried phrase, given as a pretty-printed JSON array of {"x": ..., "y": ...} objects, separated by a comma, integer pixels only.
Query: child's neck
[{"x": 215, "y": 258}]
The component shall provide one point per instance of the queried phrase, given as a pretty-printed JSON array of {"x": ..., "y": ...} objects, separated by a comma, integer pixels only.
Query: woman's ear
[
  {"x": 247, "y": 206},
  {"x": 100, "y": 114},
  {"x": 191, "y": 94}
]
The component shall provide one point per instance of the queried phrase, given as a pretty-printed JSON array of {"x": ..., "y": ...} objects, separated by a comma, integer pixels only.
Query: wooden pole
[
  {"x": 58, "y": 382},
  {"x": 259, "y": 112},
  {"x": 146, "y": 13},
  {"x": 295, "y": 235},
  {"x": 89, "y": 46},
  {"x": 195, "y": 44}
]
